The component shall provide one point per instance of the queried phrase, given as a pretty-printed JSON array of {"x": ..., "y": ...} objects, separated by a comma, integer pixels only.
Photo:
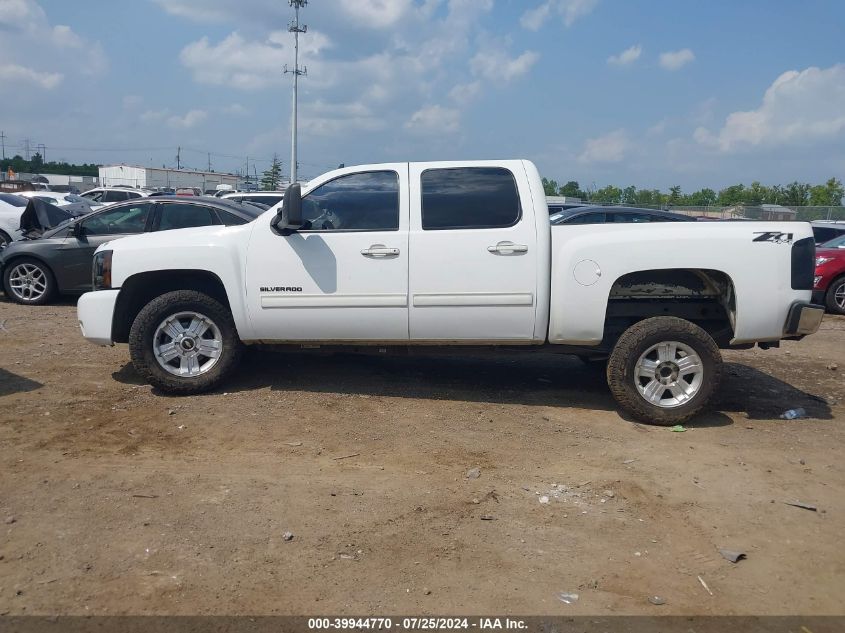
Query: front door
[
  {"x": 104, "y": 226},
  {"x": 473, "y": 271},
  {"x": 344, "y": 277}
]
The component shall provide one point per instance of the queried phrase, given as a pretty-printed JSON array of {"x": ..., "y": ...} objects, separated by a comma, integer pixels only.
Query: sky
[{"x": 652, "y": 93}]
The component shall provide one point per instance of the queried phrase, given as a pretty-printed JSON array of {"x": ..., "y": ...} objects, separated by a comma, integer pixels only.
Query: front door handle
[
  {"x": 507, "y": 247},
  {"x": 380, "y": 251}
]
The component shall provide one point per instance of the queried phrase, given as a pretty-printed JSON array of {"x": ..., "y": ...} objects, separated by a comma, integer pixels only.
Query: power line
[{"x": 296, "y": 29}]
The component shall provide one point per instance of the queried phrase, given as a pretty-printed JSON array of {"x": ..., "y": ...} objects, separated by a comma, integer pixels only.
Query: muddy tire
[
  {"x": 664, "y": 370},
  {"x": 834, "y": 299},
  {"x": 29, "y": 282},
  {"x": 184, "y": 342}
]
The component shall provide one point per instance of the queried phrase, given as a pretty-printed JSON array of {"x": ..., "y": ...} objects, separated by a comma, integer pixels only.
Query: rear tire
[
  {"x": 664, "y": 370},
  {"x": 835, "y": 297},
  {"x": 184, "y": 342},
  {"x": 29, "y": 282}
]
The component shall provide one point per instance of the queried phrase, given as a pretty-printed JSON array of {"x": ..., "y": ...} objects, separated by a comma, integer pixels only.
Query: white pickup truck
[{"x": 426, "y": 255}]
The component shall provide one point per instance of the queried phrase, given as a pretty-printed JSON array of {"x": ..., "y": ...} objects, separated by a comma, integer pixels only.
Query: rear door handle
[
  {"x": 380, "y": 250},
  {"x": 507, "y": 247}
]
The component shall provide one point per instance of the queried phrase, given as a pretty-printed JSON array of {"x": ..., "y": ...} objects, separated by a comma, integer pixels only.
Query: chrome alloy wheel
[
  {"x": 669, "y": 374},
  {"x": 839, "y": 296},
  {"x": 187, "y": 344},
  {"x": 28, "y": 282}
]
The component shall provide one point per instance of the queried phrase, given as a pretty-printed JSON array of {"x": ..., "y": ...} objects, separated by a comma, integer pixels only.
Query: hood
[{"x": 40, "y": 216}]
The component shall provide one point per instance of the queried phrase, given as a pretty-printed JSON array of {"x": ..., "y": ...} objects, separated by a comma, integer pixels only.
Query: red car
[{"x": 829, "y": 283}]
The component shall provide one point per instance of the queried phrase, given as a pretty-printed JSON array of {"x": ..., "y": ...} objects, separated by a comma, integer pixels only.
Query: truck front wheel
[
  {"x": 664, "y": 370},
  {"x": 184, "y": 342}
]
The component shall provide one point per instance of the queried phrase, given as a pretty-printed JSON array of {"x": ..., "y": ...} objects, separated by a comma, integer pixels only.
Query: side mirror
[
  {"x": 289, "y": 217},
  {"x": 78, "y": 230}
]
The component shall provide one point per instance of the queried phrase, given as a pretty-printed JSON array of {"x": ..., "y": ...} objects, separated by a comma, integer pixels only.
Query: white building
[{"x": 155, "y": 178}]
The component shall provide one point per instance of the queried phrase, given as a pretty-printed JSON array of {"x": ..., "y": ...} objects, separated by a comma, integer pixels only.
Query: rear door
[
  {"x": 345, "y": 276},
  {"x": 74, "y": 270},
  {"x": 473, "y": 274}
]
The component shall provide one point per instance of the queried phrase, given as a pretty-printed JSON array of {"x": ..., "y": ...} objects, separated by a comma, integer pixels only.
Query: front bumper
[
  {"x": 95, "y": 312},
  {"x": 803, "y": 319}
]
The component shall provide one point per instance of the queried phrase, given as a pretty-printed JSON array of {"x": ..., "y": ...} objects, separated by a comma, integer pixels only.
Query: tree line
[
  {"x": 36, "y": 165},
  {"x": 795, "y": 194}
]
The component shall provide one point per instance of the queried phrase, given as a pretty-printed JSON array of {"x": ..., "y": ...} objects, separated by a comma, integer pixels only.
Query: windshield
[
  {"x": 837, "y": 242},
  {"x": 15, "y": 201}
]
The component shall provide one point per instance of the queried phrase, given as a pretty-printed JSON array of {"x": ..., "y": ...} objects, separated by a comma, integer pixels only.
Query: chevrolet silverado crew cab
[{"x": 426, "y": 255}]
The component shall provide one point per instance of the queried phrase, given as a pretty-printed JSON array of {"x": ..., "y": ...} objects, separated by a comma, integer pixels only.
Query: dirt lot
[{"x": 118, "y": 500}]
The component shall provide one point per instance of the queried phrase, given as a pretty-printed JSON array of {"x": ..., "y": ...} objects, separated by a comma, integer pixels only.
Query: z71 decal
[{"x": 773, "y": 236}]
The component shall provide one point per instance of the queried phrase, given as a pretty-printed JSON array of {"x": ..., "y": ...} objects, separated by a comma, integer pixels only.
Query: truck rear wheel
[
  {"x": 184, "y": 342},
  {"x": 664, "y": 370}
]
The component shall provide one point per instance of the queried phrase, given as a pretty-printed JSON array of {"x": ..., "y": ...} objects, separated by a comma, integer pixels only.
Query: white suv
[{"x": 106, "y": 195}]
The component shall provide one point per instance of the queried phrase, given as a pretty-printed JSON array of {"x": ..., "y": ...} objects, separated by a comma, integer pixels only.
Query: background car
[
  {"x": 59, "y": 262},
  {"x": 101, "y": 196},
  {"x": 829, "y": 281},
  {"x": 12, "y": 207},
  {"x": 73, "y": 204},
  {"x": 270, "y": 198},
  {"x": 613, "y": 215},
  {"x": 824, "y": 231}
]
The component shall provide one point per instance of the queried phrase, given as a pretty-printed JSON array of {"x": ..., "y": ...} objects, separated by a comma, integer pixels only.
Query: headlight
[
  {"x": 822, "y": 260},
  {"x": 102, "y": 270}
]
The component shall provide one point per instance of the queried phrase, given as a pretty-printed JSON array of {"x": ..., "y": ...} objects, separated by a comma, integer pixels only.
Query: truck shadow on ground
[
  {"x": 508, "y": 378},
  {"x": 13, "y": 383}
]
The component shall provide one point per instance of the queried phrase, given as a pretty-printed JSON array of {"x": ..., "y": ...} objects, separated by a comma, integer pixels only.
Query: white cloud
[
  {"x": 29, "y": 41},
  {"x": 434, "y": 118},
  {"x": 464, "y": 94},
  {"x": 568, "y": 10},
  {"x": 247, "y": 64},
  {"x": 154, "y": 116},
  {"x": 799, "y": 108},
  {"x": 14, "y": 72},
  {"x": 330, "y": 119},
  {"x": 190, "y": 119},
  {"x": 626, "y": 57},
  {"x": 235, "y": 109},
  {"x": 610, "y": 148},
  {"x": 494, "y": 64},
  {"x": 376, "y": 14},
  {"x": 675, "y": 60}
]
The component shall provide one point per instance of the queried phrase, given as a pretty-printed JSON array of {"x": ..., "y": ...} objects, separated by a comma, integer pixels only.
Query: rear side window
[
  {"x": 596, "y": 217},
  {"x": 230, "y": 219},
  {"x": 115, "y": 196},
  {"x": 184, "y": 216},
  {"x": 132, "y": 195},
  {"x": 635, "y": 218},
  {"x": 15, "y": 201},
  {"x": 268, "y": 200},
  {"x": 469, "y": 198}
]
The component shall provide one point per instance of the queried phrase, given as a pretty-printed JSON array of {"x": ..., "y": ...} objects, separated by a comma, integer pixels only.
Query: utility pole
[
  {"x": 209, "y": 161},
  {"x": 26, "y": 149},
  {"x": 296, "y": 29},
  {"x": 42, "y": 149},
  {"x": 3, "y": 142},
  {"x": 178, "y": 158}
]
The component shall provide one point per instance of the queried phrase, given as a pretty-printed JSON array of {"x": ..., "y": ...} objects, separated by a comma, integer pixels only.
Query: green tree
[
  {"x": 37, "y": 163},
  {"x": 550, "y": 187},
  {"x": 273, "y": 176},
  {"x": 732, "y": 195},
  {"x": 675, "y": 196},
  {"x": 572, "y": 189},
  {"x": 609, "y": 194},
  {"x": 701, "y": 198},
  {"x": 796, "y": 194},
  {"x": 827, "y": 195}
]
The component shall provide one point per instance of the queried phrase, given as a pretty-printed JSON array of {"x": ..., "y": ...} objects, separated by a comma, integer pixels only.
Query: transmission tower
[{"x": 296, "y": 71}]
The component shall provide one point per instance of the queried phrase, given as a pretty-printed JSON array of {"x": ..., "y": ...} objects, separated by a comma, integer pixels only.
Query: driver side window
[
  {"x": 124, "y": 220},
  {"x": 357, "y": 202}
]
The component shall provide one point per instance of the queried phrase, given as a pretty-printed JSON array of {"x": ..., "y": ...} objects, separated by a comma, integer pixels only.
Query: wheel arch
[
  {"x": 139, "y": 289},
  {"x": 706, "y": 297}
]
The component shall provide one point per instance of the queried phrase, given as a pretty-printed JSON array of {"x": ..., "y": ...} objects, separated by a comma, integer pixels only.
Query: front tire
[
  {"x": 29, "y": 282},
  {"x": 184, "y": 342},
  {"x": 835, "y": 296},
  {"x": 664, "y": 370}
]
